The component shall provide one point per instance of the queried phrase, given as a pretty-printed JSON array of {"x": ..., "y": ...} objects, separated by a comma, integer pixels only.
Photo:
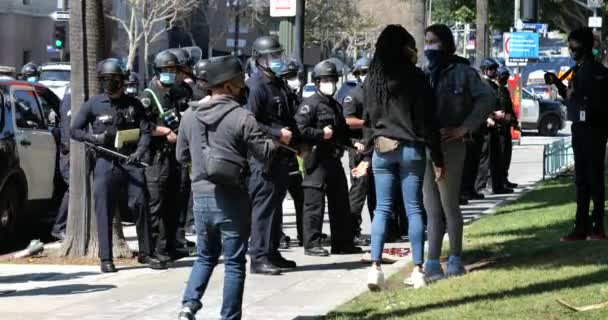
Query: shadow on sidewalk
[
  {"x": 44, "y": 276},
  {"x": 350, "y": 265},
  {"x": 59, "y": 290}
]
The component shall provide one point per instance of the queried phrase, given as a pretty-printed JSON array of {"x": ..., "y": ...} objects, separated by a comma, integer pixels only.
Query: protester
[
  {"x": 400, "y": 122},
  {"x": 585, "y": 101},
  {"x": 215, "y": 137},
  {"x": 463, "y": 103}
]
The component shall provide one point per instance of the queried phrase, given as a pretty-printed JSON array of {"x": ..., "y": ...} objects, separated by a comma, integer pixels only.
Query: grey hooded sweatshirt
[{"x": 231, "y": 130}]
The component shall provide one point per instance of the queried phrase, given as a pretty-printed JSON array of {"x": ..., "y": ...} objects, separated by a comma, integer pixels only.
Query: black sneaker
[
  {"x": 511, "y": 185},
  {"x": 503, "y": 191},
  {"x": 347, "y": 250},
  {"x": 186, "y": 314},
  {"x": 152, "y": 262},
  {"x": 264, "y": 267}
]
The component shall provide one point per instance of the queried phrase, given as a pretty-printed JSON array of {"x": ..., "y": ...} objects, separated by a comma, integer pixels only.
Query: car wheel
[
  {"x": 549, "y": 126},
  {"x": 9, "y": 208}
]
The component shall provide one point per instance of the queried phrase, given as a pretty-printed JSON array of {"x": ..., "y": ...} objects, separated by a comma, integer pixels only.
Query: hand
[
  {"x": 134, "y": 158},
  {"x": 285, "y": 136},
  {"x": 499, "y": 114},
  {"x": 172, "y": 137},
  {"x": 360, "y": 147},
  {"x": 440, "y": 173},
  {"x": 551, "y": 78},
  {"x": 361, "y": 170},
  {"x": 100, "y": 138},
  {"x": 450, "y": 134},
  {"x": 490, "y": 122},
  {"x": 328, "y": 133}
]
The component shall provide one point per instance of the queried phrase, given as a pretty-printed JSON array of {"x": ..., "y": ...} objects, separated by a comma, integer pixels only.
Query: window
[
  {"x": 26, "y": 2},
  {"x": 27, "y": 110},
  {"x": 526, "y": 95},
  {"x": 27, "y": 56},
  {"x": 50, "y": 105},
  {"x": 55, "y": 75}
]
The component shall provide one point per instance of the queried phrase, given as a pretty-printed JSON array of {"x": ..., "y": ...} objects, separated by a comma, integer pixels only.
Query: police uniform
[
  {"x": 324, "y": 175},
  {"x": 64, "y": 166},
  {"x": 167, "y": 180},
  {"x": 362, "y": 188},
  {"x": 111, "y": 176},
  {"x": 269, "y": 101}
]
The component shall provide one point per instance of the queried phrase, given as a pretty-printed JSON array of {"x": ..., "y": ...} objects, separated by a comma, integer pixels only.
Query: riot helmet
[
  {"x": 166, "y": 65},
  {"x": 132, "y": 84},
  {"x": 361, "y": 67},
  {"x": 112, "y": 75},
  {"x": 227, "y": 70},
  {"x": 268, "y": 54},
  {"x": 488, "y": 63},
  {"x": 30, "y": 72},
  {"x": 325, "y": 74}
]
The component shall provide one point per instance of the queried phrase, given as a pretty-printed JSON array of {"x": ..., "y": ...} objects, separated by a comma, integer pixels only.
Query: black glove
[
  {"x": 100, "y": 139},
  {"x": 551, "y": 78},
  {"x": 134, "y": 158}
]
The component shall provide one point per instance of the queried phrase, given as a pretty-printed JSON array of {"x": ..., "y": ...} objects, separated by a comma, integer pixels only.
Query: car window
[
  {"x": 55, "y": 75},
  {"x": 27, "y": 110},
  {"x": 50, "y": 105},
  {"x": 526, "y": 95}
]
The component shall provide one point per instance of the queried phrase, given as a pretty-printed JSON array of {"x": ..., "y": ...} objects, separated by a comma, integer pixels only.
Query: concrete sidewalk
[{"x": 316, "y": 287}]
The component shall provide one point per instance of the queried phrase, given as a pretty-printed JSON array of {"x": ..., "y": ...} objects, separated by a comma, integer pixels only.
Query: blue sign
[
  {"x": 523, "y": 46},
  {"x": 538, "y": 27}
]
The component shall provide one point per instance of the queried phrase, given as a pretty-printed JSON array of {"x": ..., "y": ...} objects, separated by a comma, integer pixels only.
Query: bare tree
[{"x": 147, "y": 20}]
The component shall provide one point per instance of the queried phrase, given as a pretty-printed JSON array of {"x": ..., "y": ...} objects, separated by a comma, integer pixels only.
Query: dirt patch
[{"x": 51, "y": 256}]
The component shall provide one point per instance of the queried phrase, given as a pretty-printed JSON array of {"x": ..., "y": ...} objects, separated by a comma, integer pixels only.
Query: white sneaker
[
  {"x": 375, "y": 279},
  {"x": 416, "y": 280}
]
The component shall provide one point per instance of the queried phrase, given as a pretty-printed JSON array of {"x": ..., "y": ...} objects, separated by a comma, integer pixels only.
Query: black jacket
[
  {"x": 231, "y": 130},
  {"x": 410, "y": 115}
]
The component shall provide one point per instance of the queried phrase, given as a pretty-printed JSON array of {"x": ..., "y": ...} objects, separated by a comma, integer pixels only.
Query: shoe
[
  {"x": 503, "y": 191},
  {"x": 433, "y": 271},
  {"x": 284, "y": 243},
  {"x": 476, "y": 196},
  {"x": 511, "y": 185},
  {"x": 416, "y": 279},
  {"x": 575, "y": 235},
  {"x": 283, "y": 263},
  {"x": 59, "y": 235},
  {"x": 463, "y": 201},
  {"x": 186, "y": 314},
  {"x": 152, "y": 262},
  {"x": 179, "y": 254},
  {"x": 597, "y": 234},
  {"x": 347, "y": 250},
  {"x": 316, "y": 252},
  {"x": 455, "y": 267},
  {"x": 264, "y": 267},
  {"x": 108, "y": 267},
  {"x": 375, "y": 279},
  {"x": 166, "y": 258},
  {"x": 325, "y": 239},
  {"x": 361, "y": 241}
]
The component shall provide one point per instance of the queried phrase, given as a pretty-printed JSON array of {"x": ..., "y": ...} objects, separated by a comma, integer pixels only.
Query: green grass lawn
[{"x": 518, "y": 268}]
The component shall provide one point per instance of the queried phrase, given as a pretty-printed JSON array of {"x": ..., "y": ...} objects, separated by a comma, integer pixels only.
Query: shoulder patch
[
  {"x": 348, "y": 99},
  {"x": 304, "y": 109}
]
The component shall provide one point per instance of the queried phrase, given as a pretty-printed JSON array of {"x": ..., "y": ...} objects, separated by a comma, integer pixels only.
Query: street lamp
[{"x": 235, "y": 4}]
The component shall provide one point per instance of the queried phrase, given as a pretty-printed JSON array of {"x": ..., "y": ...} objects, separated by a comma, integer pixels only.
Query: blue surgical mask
[
  {"x": 32, "y": 79},
  {"x": 276, "y": 65},
  {"x": 167, "y": 78}
]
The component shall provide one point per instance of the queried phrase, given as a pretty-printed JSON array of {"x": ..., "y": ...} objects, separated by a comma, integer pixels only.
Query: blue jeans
[
  {"x": 221, "y": 217},
  {"x": 405, "y": 165}
]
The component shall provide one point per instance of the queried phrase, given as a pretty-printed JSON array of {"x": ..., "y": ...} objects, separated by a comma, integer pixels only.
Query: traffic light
[{"x": 59, "y": 41}]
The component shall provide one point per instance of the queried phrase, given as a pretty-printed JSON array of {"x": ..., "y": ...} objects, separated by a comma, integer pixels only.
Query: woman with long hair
[
  {"x": 399, "y": 125},
  {"x": 463, "y": 102}
]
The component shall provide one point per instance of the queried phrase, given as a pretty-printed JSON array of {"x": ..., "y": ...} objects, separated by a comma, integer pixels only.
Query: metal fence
[{"x": 558, "y": 156}]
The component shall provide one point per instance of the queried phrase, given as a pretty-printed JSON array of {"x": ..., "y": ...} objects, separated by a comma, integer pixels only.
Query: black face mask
[
  {"x": 435, "y": 58},
  {"x": 111, "y": 86},
  {"x": 577, "y": 54}
]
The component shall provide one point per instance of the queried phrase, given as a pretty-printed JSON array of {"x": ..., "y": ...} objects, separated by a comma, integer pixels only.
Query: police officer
[
  {"x": 269, "y": 101},
  {"x": 30, "y": 72},
  {"x": 323, "y": 126},
  {"x": 492, "y": 156},
  {"x": 167, "y": 185},
  {"x": 585, "y": 99},
  {"x": 65, "y": 112},
  {"x": 291, "y": 75},
  {"x": 132, "y": 85},
  {"x": 200, "y": 89},
  {"x": 186, "y": 62},
  {"x": 107, "y": 114},
  {"x": 220, "y": 129},
  {"x": 509, "y": 121},
  {"x": 361, "y": 187}
]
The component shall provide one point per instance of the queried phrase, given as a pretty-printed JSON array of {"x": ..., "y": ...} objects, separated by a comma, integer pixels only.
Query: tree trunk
[
  {"x": 415, "y": 22},
  {"x": 481, "y": 41},
  {"x": 87, "y": 49}
]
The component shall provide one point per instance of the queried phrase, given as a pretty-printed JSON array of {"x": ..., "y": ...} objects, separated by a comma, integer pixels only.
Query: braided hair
[{"x": 389, "y": 66}]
